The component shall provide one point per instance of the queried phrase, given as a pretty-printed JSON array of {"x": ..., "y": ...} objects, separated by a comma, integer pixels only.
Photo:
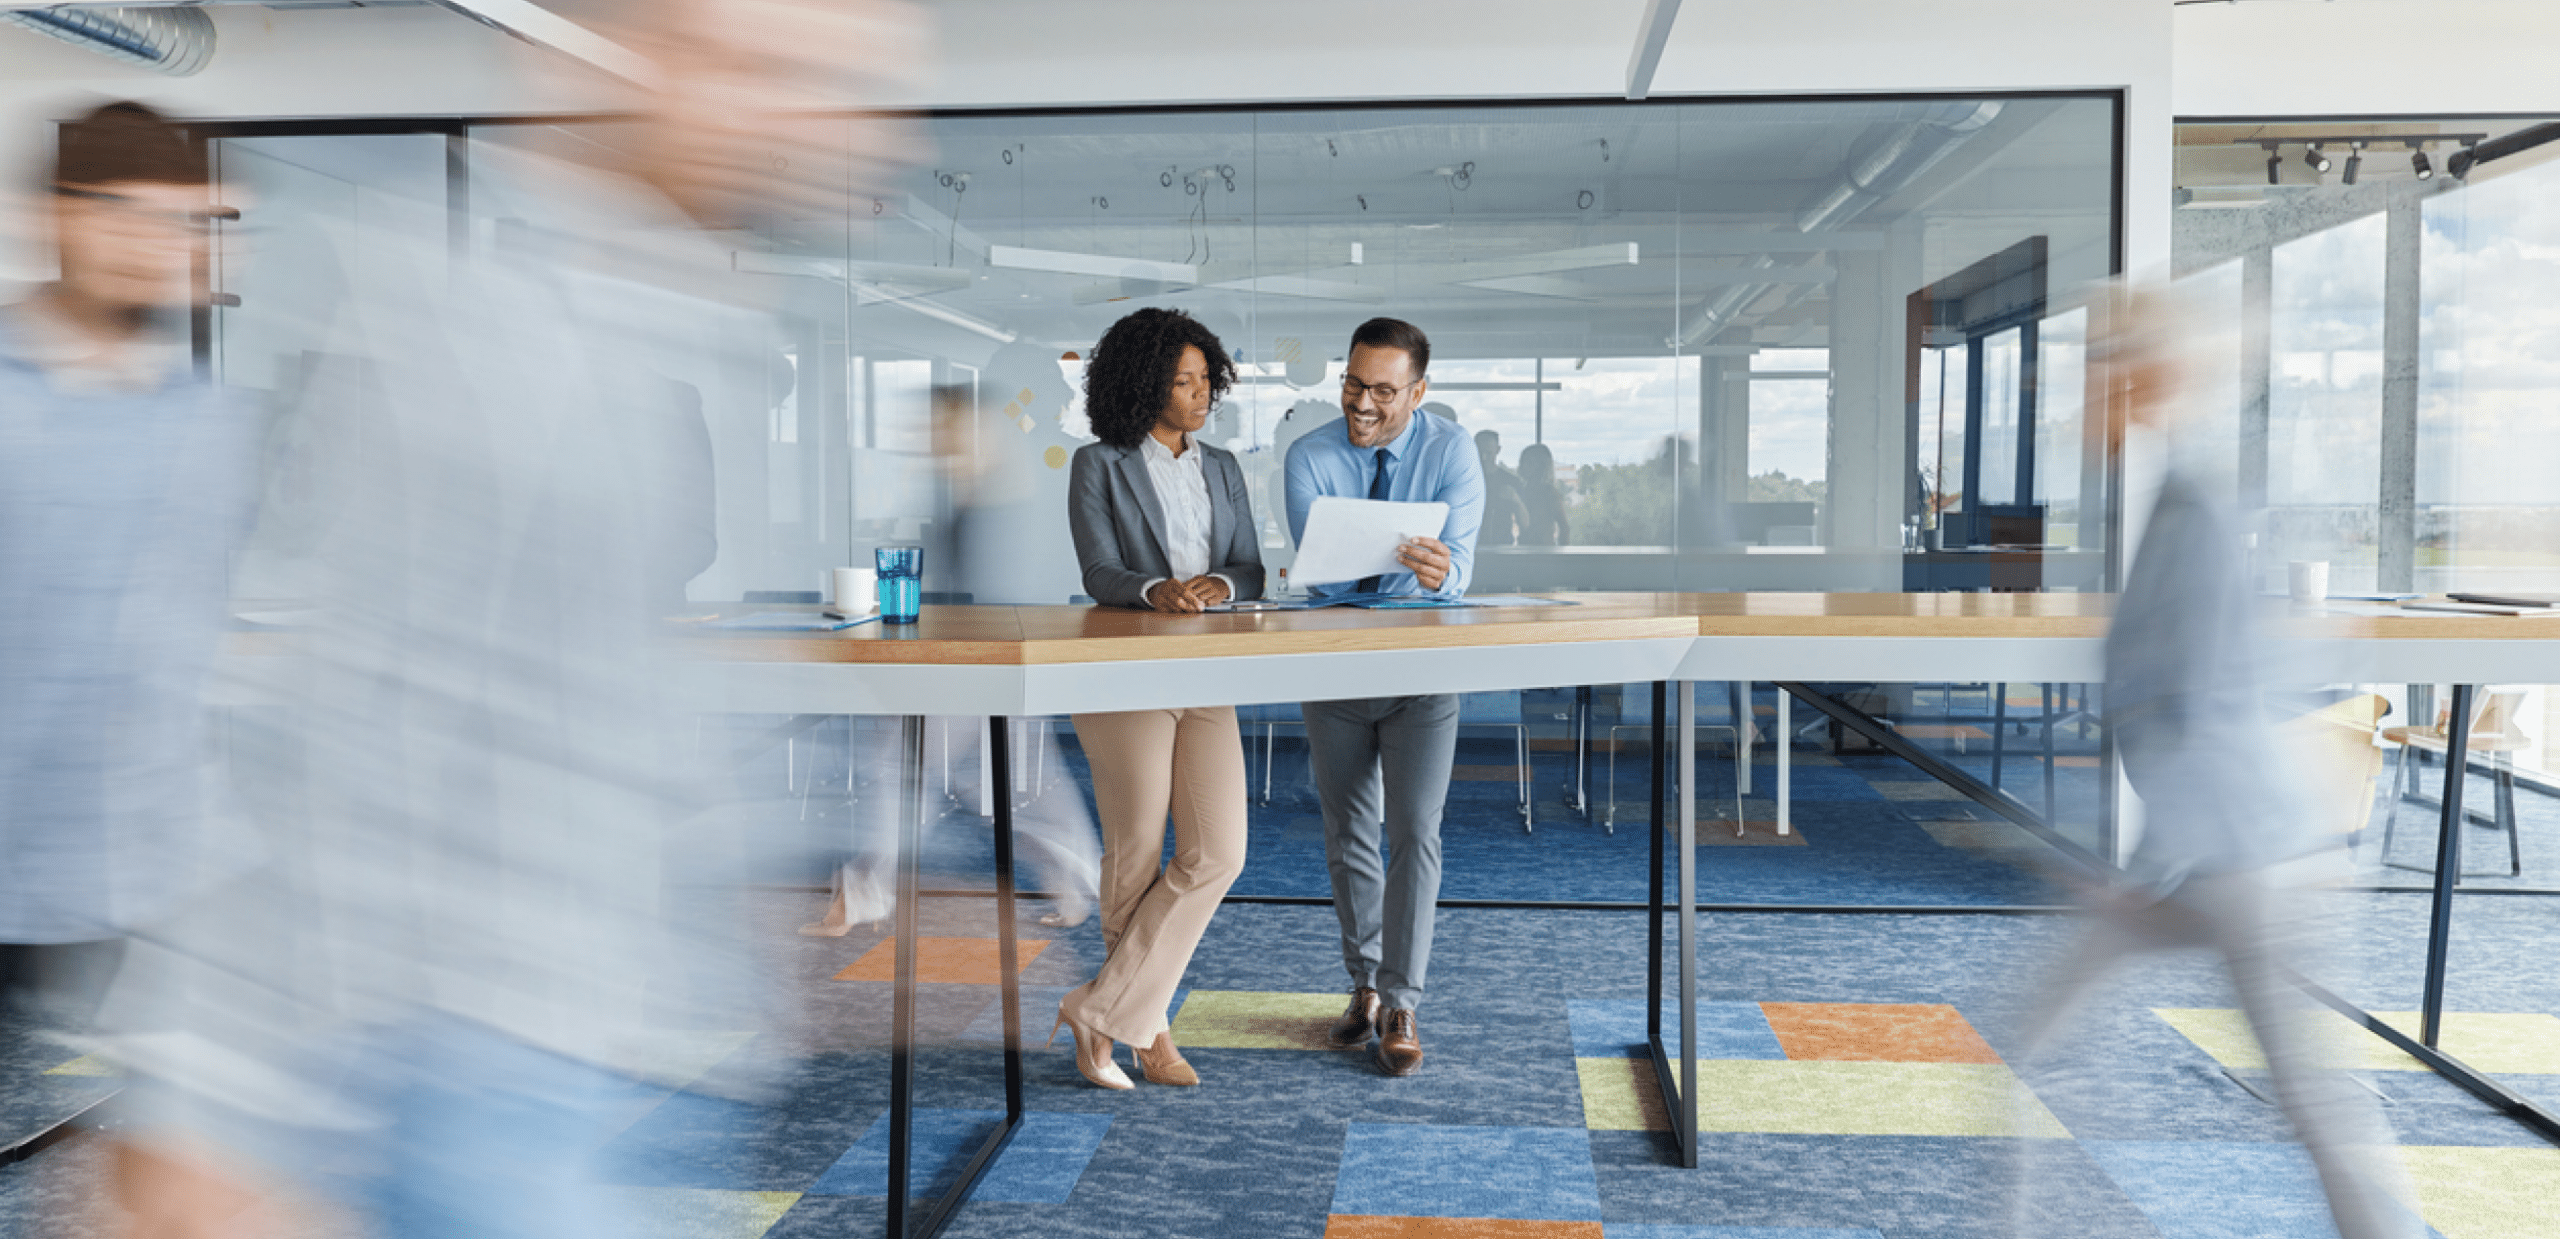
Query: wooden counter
[{"x": 1059, "y": 659}]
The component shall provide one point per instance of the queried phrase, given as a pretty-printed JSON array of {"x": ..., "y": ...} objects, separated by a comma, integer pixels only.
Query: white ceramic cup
[
  {"x": 854, "y": 591},
  {"x": 2309, "y": 579}
]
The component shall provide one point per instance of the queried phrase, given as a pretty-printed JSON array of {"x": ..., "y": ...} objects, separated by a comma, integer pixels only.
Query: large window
[{"x": 2377, "y": 388}]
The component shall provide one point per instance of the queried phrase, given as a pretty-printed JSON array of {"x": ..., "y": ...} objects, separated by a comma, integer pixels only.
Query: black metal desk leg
[
  {"x": 1679, "y": 1088},
  {"x": 902, "y": 1028},
  {"x": 1000, "y": 751},
  {"x": 2457, "y": 753},
  {"x": 902, "y": 1080},
  {"x": 1653, "y": 881}
]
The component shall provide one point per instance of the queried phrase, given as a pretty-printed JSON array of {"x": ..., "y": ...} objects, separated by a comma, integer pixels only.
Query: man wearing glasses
[{"x": 1382, "y": 764}]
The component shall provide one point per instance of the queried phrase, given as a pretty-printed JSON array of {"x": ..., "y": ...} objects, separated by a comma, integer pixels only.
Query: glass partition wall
[
  {"x": 2379, "y": 396},
  {"x": 1692, "y": 321},
  {"x": 1817, "y": 344}
]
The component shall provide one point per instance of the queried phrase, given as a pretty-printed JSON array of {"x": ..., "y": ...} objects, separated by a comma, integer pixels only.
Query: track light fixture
[{"x": 2470, "y": 150}]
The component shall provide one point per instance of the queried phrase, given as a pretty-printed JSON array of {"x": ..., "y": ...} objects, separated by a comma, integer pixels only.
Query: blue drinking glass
[{"x": 901, "y": 583}]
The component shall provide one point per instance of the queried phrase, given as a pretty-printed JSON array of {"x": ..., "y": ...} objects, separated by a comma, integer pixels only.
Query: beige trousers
[{"x": 1146, "y": 764}]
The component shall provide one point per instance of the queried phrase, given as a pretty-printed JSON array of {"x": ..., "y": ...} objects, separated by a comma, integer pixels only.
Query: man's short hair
[
  {"x": 1396, "y": 333},
  {"x": 127, "y": 142}
]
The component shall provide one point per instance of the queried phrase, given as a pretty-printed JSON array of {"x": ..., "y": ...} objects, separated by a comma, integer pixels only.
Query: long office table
[{"x": 1001, "y": 662}]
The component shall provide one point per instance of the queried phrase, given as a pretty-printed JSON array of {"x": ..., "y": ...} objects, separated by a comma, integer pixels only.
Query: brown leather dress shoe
[
  {"x": 1358, "y": 1020},
  {"x": 1399, "y": 1046}
]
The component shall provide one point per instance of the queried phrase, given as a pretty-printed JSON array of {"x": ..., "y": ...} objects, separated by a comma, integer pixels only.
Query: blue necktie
[{"x": 1377, "y": 490}]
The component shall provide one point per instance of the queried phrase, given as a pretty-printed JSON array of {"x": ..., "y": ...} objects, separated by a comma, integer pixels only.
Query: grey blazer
[{"x": 1118, "y": 523}]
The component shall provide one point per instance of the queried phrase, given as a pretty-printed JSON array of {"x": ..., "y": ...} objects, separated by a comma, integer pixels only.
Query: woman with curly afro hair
[{"x": 1161, "y": 522}]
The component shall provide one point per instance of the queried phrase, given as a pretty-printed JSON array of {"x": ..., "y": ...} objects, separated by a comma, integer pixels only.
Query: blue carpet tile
[
  {"x": 1040, "y": 1165},
  {"x": 1414, "y": 1170},
  {"x": 2205, "y": 1190},
  {"x": 1725, "y": 1029}
]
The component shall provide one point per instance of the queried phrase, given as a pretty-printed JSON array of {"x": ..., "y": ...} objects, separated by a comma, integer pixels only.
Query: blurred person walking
[
  {"x": 2225, "y": 837},
  {"x": 473, "y": 940},
  {"x": 126, "y": 482},
  {"x": 1161, "y": 522},
  {"x": 1502, "y": 514},
  {"x": 1542, "y": 516}
]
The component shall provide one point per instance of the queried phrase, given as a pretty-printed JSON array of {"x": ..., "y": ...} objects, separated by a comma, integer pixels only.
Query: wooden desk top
[
  {"x": 1042, "y": 635},
  {"x": 1049, "y": 635},
  {"x": 1045, "y": 635}
]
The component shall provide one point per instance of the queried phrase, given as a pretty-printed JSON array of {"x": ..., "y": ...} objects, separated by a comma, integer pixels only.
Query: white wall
[{"x": 2367, "y": 57}]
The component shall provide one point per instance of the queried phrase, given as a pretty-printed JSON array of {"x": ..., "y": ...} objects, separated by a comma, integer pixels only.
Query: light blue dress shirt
[
  {"x": 1433, "y": 461},
  {"x": 119, "y": 512}
]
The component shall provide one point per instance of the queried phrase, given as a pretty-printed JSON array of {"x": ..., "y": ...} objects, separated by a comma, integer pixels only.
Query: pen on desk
[{"x": 858, "y": 620}]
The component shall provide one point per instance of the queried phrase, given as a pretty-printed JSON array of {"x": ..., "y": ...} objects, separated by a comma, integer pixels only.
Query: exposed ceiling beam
[
  {"x": 523, "y": 19},
  {"x": 1650, "y": 38}
]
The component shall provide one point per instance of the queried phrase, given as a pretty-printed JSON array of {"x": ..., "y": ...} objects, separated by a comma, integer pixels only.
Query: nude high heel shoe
[
  {"x": 1096, "y": 1065},
  {"x": 1162, "y": 1062}
]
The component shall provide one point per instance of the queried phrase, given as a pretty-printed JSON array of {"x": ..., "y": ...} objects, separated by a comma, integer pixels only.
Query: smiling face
[
  {"x": 1186, "y": 402},
  {"x": 1371, "y": 373}
]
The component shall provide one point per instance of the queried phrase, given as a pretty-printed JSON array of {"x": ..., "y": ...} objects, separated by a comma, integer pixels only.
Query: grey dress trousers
[{"x": 1381, "y": 767}]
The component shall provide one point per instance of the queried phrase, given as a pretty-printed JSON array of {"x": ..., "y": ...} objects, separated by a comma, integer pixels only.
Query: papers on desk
[
  {"x": 1395, "y": 602},
  {"x": 2431, "y": 610},
  {"x": 1348, "y": 539},
  {"x": 786, "y": 621},
  {"x": 2526, "y": 611}
]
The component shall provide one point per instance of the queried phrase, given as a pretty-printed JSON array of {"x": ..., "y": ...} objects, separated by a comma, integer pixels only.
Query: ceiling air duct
[
  {"x": 174, "y": 41},
  {"x": 1883, "y": 171}
]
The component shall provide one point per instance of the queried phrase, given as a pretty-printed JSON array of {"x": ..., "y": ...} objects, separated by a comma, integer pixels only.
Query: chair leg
[
  {"x": 1268, "y": 731},
  {"x": 2391, "y": 810},
  {"x": 2047, "y": 690},
  {"x": 1610, "y": 819},
  {"x": 1999, "y": 730},
  {"x": 2507, "y": 817},
  {"x": 1528, "y": 816}
]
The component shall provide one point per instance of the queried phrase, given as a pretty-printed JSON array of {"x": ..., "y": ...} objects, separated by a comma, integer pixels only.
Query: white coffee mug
[
  {"x": 2309, "y": 579},
  {"x": 854, "y": 591}
]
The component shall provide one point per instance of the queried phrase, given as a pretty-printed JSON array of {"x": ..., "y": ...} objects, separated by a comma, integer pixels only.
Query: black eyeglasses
[{"x": 1383, "y": 393}]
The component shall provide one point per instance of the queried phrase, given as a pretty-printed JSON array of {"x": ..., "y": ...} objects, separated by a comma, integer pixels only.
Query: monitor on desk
[{"x": 2007, "y": 524}]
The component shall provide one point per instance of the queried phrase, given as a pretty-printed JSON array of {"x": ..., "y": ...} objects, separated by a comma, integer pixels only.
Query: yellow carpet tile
[
  {"x": 1246, "y": 1020},
  {"x": 2500, "y": 1044}
]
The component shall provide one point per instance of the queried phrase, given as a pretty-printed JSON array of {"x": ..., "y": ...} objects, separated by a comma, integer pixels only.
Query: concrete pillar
[
  {"x": 2396, "y": 558},
  {"x": 2257, "y": 371},
  {"x": 1866, "y": 486},
  {"x": 1724, "y": 443}
]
